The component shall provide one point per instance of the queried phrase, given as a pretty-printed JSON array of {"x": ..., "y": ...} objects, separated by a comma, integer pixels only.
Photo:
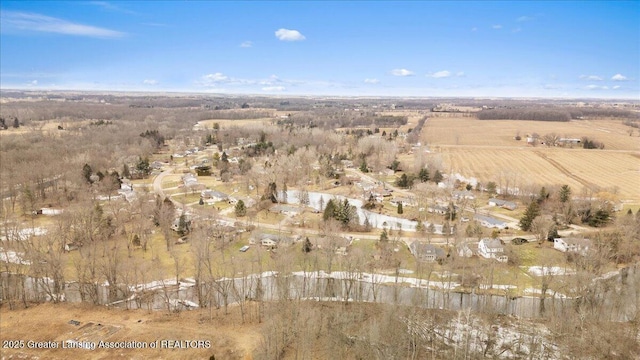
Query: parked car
[{"x": 244, "y": 248}]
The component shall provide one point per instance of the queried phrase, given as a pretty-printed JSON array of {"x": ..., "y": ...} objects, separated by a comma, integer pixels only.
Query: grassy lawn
[
  {"x": 267, "y": 217},
  {"x": 532, "y": 255},
  {"x": 186, "y": 198}
]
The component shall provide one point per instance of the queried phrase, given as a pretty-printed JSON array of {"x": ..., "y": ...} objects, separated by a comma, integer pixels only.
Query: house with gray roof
[
  {"x": 426, "y": 252},
  {"x": 490, "y": 222}
]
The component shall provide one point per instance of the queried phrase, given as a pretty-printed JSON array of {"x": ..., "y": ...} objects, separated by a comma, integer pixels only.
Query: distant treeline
[
  {"x": 554, "y": 113},
  {"x": 332, "y": 118},
  {"x": 577, "y": 113},
  {"x": 524, "y": 114}
]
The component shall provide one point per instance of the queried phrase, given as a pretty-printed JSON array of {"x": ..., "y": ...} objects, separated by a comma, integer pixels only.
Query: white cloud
[
  {"x": 496, "y": 27},
  {"x": 516, "y": 30},
  {"x": 289, "y": 35},
  {"x": 211, "y": 79},
  {"x": 110, "y": 7},
  {"x": 273, "y": 88},
  {"x": 618, "y": 77},
  {"x": 474, "y": 29},
  {"x": 616, "y": 87},
  {"x": 440, "y": 74},
  {"x": 597, "y": 87},
  {"x": 24, "y": 21},
  {"x": 591, "y": 77},
  {"x": 401, "y": 72},
  {"x": 460, "y": 74},
  {"x": 150, "y": 82},
  {"x": 524, "y": 18},
  {"x": 371, "y": 81},
  {"x": 34, "y": 82},
  {"x": 246, "y": 44}
]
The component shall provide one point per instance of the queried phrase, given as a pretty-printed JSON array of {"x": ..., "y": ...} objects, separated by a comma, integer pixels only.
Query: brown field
[
  {"x": 486, "y": 150},
  {"x": 208, "y": 124},
  {"x": 49, "y": 322},
  {"x": 470, "y": 131}
]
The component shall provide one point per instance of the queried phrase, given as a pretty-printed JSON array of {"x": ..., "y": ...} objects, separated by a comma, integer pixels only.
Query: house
[
  {"x": 438, "y": 209},
  {"x": 269, "y": 240},
  {"x": 426, "y": 252},
  {"x": 464, "y": 251},
  {"x": 532, "y": 139},
  {"x": 156, "y": 165},
  {"x": 380, "y": 192},
  {"x": 286, "y": 209},
  {"x": 492, "y": 249},
  {"x": 509, "y": 205},
  {"x": 403, "y": 201},
  {"x": 189, "y": 180},
  {"x": 175, "y": 226},
  {"x": 575, "y": 245},
  {"x": 568, "y": 141},
  {"x": 466, "y": 194},
  {"x": 213, "y": 195},
  {"x": 490, "y": 222},
  {"x": 347, "y": 164},
  {"x": 336, "y": 244}
]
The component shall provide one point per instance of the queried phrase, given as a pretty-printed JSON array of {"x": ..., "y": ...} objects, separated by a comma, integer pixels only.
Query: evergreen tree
[
  {"x": 306, "y": 246},
  {"x": 437, "y": 177},
  {"x": 450, "y": 213},
  {"x": 143, "y": 166},
  {"x": 329, "y": 210},
  {"x": 533, "y": 210},
  {"x": 543, "y": 196},
  {"x": 240, "y": 209},
  {"x": 384, "y": 236},
  {"x": 400, "y": 211},
  {"x": 492, "y": 188},
  {"x": 565, "y": 194},
  {"x": 184, "y": 225},
  {"x": 86, "y": 172},
  {"x": 367, "y": 224},
  {"x": 423, "y": 175},
  {"x": 125, "y": 172},
  {"x": 363, "y": 166}
]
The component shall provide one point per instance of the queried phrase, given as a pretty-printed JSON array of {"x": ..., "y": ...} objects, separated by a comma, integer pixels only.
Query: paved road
[{"x": 157, "y": 182}]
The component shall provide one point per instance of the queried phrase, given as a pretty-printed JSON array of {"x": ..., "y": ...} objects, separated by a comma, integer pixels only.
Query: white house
[
  {"x": 509, "y": 205},
  {"x": 466, "y": 194},
  {"x": 580, "y": 246},
  {"x": 491, "y": 249}
]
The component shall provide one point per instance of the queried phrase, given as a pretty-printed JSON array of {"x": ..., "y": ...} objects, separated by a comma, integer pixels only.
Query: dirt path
[{"x": 564, "y": 170}]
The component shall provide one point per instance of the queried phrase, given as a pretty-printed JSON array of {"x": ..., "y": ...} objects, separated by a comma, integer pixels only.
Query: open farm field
[
  {"x": 466, "y": 131},
  {"x": 576, "y": 168},
  {"x": 208, "y": 124},
  {"x": 486, "y": 150}
]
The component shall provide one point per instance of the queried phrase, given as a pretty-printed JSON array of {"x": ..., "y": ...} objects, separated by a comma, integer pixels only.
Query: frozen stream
[{"x": 376, "y": 220}]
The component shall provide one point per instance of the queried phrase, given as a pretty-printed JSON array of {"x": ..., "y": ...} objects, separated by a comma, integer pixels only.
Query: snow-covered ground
[
  {"x": 376, "y": 220},
  {"x": 13, "y": 257},
  {"x": 550, "y": 270}
]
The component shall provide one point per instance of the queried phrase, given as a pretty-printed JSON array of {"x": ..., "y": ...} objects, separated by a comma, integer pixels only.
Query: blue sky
[{"x": 459, "y": 48}]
